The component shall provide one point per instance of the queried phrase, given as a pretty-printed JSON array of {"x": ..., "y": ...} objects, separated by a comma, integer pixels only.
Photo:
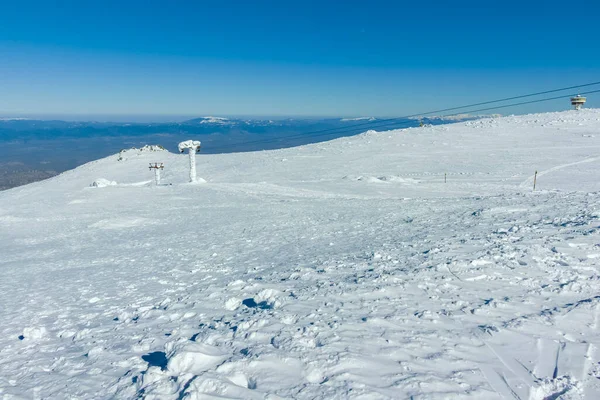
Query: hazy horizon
[
  {"x": 124, "y": 118},
  {"x": 557, "y": 105}
]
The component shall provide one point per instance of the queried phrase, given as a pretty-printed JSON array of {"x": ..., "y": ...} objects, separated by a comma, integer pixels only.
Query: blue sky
[{"x": 381, "y": 58}]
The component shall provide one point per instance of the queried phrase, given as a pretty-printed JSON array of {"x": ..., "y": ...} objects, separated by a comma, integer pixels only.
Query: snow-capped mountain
[
  {"x": 358, "y": 119},
  {"x": 416, "y": 263},
  {"x": 211, "y": 120}
]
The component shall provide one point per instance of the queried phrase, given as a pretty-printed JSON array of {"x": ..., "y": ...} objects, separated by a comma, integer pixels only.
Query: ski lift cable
[
  {"x": 383, "y": 123},
  {"x": 458, "y": 107},
  {"x": 510, "y": 105}
]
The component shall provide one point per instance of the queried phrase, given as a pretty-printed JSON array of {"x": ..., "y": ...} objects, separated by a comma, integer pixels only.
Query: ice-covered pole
[
  {"x": 157, "y": 167},
  {"x": 157, "y": 176},
  {"x": 193, "y": 146},
  {"x": 192, "y": 154}
]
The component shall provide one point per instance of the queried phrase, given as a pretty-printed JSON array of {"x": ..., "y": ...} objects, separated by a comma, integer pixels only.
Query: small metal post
[
  {"x": 444, "y": 177},
  {"x": 534, "y": 180}
]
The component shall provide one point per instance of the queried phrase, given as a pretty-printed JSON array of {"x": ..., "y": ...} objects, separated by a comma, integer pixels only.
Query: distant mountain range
[{"x": 28, "y": 129}]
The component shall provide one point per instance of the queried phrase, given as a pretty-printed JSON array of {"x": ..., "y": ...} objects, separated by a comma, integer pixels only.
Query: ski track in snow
[
  {"x": 338, "y": 270},
  {"x": 529, "y": 181}
]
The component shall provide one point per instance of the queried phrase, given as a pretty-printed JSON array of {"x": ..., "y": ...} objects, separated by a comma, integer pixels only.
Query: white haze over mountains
[{"x": 415, "y": 263}]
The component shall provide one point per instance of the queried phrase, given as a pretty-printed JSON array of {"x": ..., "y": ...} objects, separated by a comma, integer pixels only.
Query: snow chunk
[
  {"x": 269, "y": 297},
  {"x": 195, "y": 358},
  {"x": 233, "y": 303},
  {"x": 563, "y": 387},
  {"x": 34, "y": 333}
]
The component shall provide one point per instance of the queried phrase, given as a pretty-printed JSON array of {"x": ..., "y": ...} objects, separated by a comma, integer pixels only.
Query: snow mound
[
  {"x": 564, "y": 388},
  {"x": 382, "y": 179},
  {"x": 134, "y": 151},
  {"x": 233, "y": 303},
  {"x": 101, "y": 182},
  {"x": 195, "y": 358},
  {"x": 34, "y": 333}
]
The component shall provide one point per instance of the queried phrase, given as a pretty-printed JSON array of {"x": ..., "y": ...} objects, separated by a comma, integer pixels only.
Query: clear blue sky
[{"x": 350, "y": 58}]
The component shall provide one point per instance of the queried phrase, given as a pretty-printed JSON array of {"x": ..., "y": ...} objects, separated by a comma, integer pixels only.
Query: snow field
[{"x": 345, "y": 269}]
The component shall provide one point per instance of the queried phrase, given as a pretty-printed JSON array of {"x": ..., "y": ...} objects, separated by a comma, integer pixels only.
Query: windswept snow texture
[{"x": 345, "y": 269}]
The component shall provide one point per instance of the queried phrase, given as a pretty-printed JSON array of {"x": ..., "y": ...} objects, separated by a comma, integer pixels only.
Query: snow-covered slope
[{"x": 345, "y": 269}]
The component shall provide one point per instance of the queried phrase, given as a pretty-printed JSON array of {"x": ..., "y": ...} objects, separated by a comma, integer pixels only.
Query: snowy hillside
[{"x": 344, "y": 269}]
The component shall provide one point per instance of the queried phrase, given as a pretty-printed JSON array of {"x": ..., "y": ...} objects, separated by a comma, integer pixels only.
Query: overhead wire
[
  {"x": 516, "y": 104},
  {"x": 401, "y": 121}
]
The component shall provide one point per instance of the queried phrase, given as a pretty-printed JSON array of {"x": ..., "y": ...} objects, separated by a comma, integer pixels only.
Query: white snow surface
[{"x": 339, "y": 270}]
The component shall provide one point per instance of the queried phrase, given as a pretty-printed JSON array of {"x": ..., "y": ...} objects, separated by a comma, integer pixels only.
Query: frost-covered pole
[
  {"x": 193, "y": 146},
  {"x": 157, "y": 176},
  {"x": 156, "y": 167},
  {"x": 192, "y": 154}
]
